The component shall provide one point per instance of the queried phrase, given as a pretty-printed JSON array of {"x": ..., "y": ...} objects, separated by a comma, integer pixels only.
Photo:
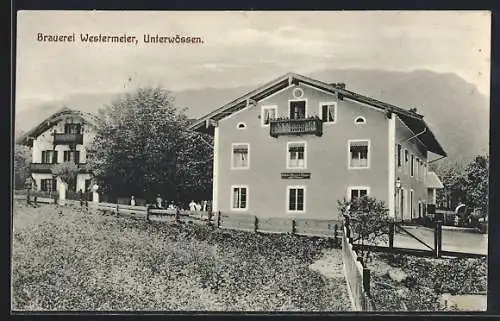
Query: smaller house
[{"x": 65, "y": 136}]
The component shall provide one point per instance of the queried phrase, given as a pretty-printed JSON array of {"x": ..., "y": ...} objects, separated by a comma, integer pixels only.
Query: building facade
[
  {"x": 295, "y": 146},
  {"x": 66, "y": 136}
]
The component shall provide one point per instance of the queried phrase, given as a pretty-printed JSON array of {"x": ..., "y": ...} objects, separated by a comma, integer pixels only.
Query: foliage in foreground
[
  {"x": 426, "y": 280},
  {"x": 77, "y": 261}
]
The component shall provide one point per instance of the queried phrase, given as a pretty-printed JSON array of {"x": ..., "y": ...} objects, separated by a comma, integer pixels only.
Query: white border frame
[
  {"x": 320, "y": 111},
  {"x": 232, "y": 156},
  {"x": 360, "y": 123},
  {"x": 349, "y": 153},
  {"x": 298, "y": 99},
  {"x": 302, "y": 142},
  {"x": 350, "y": 188},
  {"x": 233, "y": 209},
  {"x": 275, "y": 107},
  {"x": 287, "y": 197}
]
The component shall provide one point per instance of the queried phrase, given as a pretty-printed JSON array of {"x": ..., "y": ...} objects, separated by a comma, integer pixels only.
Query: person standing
[
  {"x": 192, "y": 206},
  {"x": 159, "y": 201},
  {"x": 132, "y": 200}
]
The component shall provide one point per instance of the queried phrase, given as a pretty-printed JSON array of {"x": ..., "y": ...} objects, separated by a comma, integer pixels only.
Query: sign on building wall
[{"x": 295, "y": 175}]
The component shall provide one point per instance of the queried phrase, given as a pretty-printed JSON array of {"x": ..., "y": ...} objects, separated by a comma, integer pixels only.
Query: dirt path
[{"x": 331, "y": 267}]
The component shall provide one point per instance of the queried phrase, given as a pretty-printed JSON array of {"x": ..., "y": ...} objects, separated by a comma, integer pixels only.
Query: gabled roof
[
  {"x": 27, "y": 138},
  {"x": 433, "y": 181},
  {"x": 413, "y": 120}
]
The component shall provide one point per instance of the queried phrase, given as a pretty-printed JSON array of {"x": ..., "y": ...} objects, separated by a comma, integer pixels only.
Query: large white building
[{"x": 63, "y": 137}]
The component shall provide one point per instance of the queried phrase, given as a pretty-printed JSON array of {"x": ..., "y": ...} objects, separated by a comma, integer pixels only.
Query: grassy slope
[{"x": 76, "y": 261}]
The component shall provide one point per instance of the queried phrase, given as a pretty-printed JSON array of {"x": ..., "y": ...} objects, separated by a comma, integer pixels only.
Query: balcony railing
[
  {"x": 66, "y": 138},
  {"x": 303, "y": 126},
  {"x": 47, "y": 167}
]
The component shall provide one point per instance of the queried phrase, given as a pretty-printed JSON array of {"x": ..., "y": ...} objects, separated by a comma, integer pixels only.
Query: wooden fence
[
  {"x": 357, "y": 275},
  {"x": 252, "y": 223},
  {"x": 233, "y": 221}
]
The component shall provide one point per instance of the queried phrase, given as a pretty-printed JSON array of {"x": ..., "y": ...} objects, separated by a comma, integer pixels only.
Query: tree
[
  {"x": 477, "y": 177},
  {"x": 454, "y": 180},
  {"x": 369, "y": 220},
  {"x": 66, "y": 171},
  {"x": 142, "y": 148},
  {"x": 22, "y": 160}
]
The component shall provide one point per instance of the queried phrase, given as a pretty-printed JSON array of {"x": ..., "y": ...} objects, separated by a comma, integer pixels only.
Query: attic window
[
  {"x": 360, "y": 120},
  {"x": 241, "y": 126},
  {"x": 298, "y": 93}
]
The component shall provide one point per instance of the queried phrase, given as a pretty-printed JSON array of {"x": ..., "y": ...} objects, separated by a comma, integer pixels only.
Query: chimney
[{"x": 340, "y": 85}]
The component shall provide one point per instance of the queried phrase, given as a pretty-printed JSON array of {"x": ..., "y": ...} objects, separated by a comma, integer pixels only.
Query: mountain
[{"x": 456, "y": 112}]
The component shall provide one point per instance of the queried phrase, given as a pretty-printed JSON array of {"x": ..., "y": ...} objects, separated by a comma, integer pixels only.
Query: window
[
  {"x": 72, "y": 128},
  {"x": 358, "y": 154},
  {"x": 297, "y": 109},
  {"x": 417, "y": 165},
  {"x": 239, "y": 200},
  {"x": 357, "y": 191},
  {"x": 296, "y": 198},
  {"x": 328, "y": 112},
  {"x": 240, "y": 158},
  {"x": 296, "y": 155},
  {"x": 406, "y": 160},
  {"x": 241, "y": 126},
  {"x": 268, "y": 113},
  {"x": 412, "y": 165},
  {"x": 360, "y": 120},
  {"x": 72, "y": 156},
  {"x": 399, "y": 155},
  {"x": 49, "y": 156},
  {"x": 48, "y": 185}
]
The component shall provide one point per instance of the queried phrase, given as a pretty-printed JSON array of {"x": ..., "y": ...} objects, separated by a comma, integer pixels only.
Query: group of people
[{"x": 193, "y": 206}]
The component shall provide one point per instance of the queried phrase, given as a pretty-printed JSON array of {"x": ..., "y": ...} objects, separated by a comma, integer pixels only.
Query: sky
[{"x": 240, "y": 48}]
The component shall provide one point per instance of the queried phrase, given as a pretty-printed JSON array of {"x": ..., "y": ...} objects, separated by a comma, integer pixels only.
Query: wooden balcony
[
  {"x": 303, "y": 126},
  {"x": 47, "y": 167},
  {"x": 67, "y": 139}
]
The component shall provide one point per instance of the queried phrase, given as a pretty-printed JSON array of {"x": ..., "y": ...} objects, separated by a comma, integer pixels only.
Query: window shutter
[
  {"x": 54, "y": 157},
  {"x": 324, "y": 113}
]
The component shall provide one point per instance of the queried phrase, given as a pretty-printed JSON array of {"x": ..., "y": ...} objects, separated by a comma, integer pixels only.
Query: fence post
[
  {"x": 218, "y": 219},
  {"x": 437, "y": 239},
  {"x": 391, "y": 234},
  {"x": 209, "y": 214},
  {"x": 294, "y": 226},
  {"x": 176, "y": 216},
  {"x": 336, "y": 235},
  {"x": 117, "y": 208},
  {"x": 366, "y": 280},
  {"x": 147, "y": 213},
  {"x": 256, "y": 224},
  {"x": 440, "y": 237}
]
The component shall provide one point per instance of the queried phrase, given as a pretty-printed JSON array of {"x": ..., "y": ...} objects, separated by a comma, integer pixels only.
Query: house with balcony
[
  {"x": 65, "y": 136},
  {"x": 294, "y": 146}
]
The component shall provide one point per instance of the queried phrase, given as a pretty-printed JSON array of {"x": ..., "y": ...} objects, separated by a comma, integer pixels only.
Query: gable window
[
  {"x": 358, "y": 153},
  {"x": 328, "y": 112},
  {"x": 296, "y": 198},
  {"x": 72, "y": 128},
  {"x": 412, "y": 166},
  {"x": 49, "y": 156},
  {"x": 241, "y": 126},
  {"x": 296, "y": 155},
  {"x": 239, "y": 198},
  {"x": 48, "y": 185},
  {"x": 297, "y": 109},
  {"x": 72, "y": 156},
  {"x": 357, "y": 191},
  {"x": 360, "y": 120},
  {"x": 399, "y": 155},
  {"x": 407, "y": 155},
  {"x": 240, "y": 156},
  {"x": 268, "y": 113}
]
